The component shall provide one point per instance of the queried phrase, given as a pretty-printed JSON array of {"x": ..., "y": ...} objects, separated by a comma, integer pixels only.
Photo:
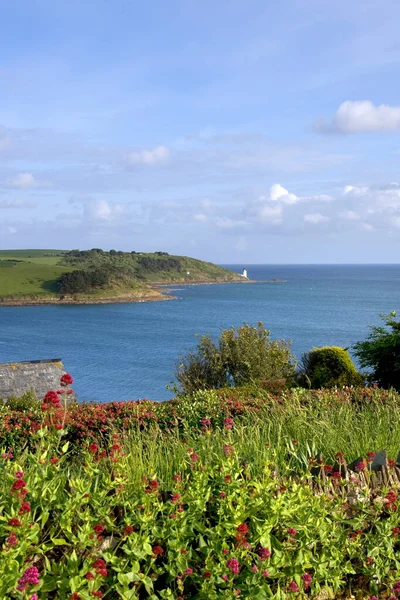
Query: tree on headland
[{"x": 380, "y": 353}]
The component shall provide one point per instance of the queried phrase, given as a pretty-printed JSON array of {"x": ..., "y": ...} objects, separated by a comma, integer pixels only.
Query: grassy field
[{"x": 33, "y": 273}]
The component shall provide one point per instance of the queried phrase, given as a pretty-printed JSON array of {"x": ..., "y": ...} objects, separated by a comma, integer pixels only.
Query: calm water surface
[{"x": 128, "y": 351}]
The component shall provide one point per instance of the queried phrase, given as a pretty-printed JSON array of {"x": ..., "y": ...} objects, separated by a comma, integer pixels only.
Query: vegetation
[
  {"x": 328, "y": 367},
  {"x": 210, "y": 496},
  {"x": 380, "y": 353},
  {"x": 37, "y": 275}
]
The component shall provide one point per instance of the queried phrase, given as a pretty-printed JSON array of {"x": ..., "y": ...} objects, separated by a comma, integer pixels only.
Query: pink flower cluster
[{"x": 30, "y": 577}]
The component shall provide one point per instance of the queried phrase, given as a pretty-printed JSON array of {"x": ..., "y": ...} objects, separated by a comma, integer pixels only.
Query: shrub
[
  {"x": 328, "y": 367},
  {"x": 241, "y": 356},
  {"x": 381, "y": 353}
]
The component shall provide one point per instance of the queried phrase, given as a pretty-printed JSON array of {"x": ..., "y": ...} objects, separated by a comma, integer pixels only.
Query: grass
[
  {"x": 205, "y": 497},
  {"x": 32, "y": 279}
]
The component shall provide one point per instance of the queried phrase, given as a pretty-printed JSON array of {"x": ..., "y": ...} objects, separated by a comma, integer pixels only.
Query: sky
[{"x": 232, "y": 131}]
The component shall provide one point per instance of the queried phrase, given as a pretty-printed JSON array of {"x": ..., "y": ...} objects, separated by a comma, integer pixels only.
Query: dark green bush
[
  {"x": 380, "y": 353},
  {"x": 327, "y": 367},
  {"x": 241, "y": 356}
]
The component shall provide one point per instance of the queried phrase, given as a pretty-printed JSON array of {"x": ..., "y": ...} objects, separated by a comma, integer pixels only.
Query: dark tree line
[
  {"x": 81, "y": 281},
  {"x": 148, "y": 263}
]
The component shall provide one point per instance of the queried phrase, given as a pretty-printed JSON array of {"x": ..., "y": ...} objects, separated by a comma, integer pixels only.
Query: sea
[{"x": 129, "y": 351}]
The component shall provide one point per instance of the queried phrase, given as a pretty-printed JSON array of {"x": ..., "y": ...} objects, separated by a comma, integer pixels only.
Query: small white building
[{"x": 244, "y": 274}]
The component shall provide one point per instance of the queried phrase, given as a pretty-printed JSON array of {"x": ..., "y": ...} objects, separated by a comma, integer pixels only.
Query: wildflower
[
  {"x": 222, "y": 495},
  {"x": 180, "y": 509},
  {"x": 336, "y": 475},
  {"x": 228, "y": 450},
  {"x": 328, "y": 468},
  {"x": 264, "y": 553},
  {"x": 265, "y": 573},
  {"x": 228, "y": 423},
  {"x": 89, "y": 576},
  {"x": 97, "y": 594},
  {"x": 75, "y": 596},
  {"x": 206, "y": 422},
  {"x": 19, "y": 475},
  {"x": 14, "y": 522},
  {"x": 34, "y": 597},
  {"x": 360, "y": 466},
  {"x": 395, "y": 531},
  {"x": 177, "y": 477},
  {"x": 291, "y": 531},
  {"x": 254, "y": 569},
  {"x": 29, "y": 577},
  {"x": 233, "y": 565},
  {"x": 188, "y": 571},
  {"x": 98, "y": 529},
  {"x": 153, "y": 484},
  {"x": 228, "y": 479},
  {"x": 206, "y": 575},
  {"x": 237, "y": 592},
  {"x": 54, "y": 460},
  {"x": 18, "y": 484},
  {"x": 172, "y": 516},
  {"x": 340, "y": 457},
  {"x": 225, "y": 551},
  {"x": 25, "y": 508},
  {"x": 12, "y": 540},
  {"x": 157, "y": 550},
  {"x": 66, "y": 379},
  {"x": 128, "y": 530},
  {"x": 293, "y": 587},
  {"x": 370, "y": 456},
  {"x": 183, "y": 551},
  {"x": 175, "y": 498},
  {"x": 93, "y": 448},
  {"x": 194, "y": 457},
  {"x": 100, "y": 566},
  {"x": 242, "y": 528},
  {"x": 372, "y": 598},
  {"x": 225, "y": 577},
  {"x": 307, "y": 579},
  {"x": 370, "y": 560}
]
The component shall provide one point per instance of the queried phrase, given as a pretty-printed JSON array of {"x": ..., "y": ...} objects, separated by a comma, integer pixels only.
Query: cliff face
[{"x": 38, "y": 376}]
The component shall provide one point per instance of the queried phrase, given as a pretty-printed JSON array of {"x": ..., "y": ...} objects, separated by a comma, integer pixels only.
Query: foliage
[
  {"x": 212, "y": 515},
  {"x": 328, "y": 367},
  {"x": 242, "y": 355},
  {"x": 81, "y": 281},
  {"x": 381, "y": 353}
]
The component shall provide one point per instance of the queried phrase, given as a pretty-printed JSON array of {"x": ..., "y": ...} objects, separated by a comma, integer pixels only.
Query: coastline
[{"x": 158, "y": 296}]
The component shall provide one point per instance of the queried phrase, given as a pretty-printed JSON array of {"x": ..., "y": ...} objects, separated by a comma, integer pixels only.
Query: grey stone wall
[{"x": 39, "y": 376}]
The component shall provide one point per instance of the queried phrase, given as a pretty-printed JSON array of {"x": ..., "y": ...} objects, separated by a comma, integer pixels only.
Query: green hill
[{"x": 84, "y": 276}]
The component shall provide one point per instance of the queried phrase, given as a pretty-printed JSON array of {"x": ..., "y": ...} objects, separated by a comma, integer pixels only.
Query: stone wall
[{"x": 39, "y": 376}]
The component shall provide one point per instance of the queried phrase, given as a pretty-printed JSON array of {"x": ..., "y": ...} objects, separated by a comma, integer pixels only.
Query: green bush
[
  {"x": 241, "y": 356},
  {"x": 381, "y": 353},
  {"x": 327, "y": 367}
]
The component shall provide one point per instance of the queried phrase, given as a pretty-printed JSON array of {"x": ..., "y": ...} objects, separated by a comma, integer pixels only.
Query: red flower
[
  {"x": 12, "y": 540},
  {"x": 360, "y": 466},
  {"x": 188, "y": 571},
  {"x": 25, "y": 508},
  {"x": 18, "y": 484},
  {"x": 242, "y": 528},
  {"x": 97, "y": 594},
  {"x": 89, "y": 575},
  {"x": 54, "y": 460},
  {"x": 157, "y": 550},
  {"x": 19, "y": 475},
  {"x": 194, "y": 457},
  {"x": 307, "y": 579},
  {"x": 98, "y": 529},
  {"x": 175, "y": 498},
  {"x": 66, "y": 379},
  {"x": 153, "y": 484},
  {"x": 228, "y": 423},
  {"x": 128, "y": 530},
  {"x": 228, "y": 450},
  {"x": 264, "y": 553},
  {"x": 233, "y": 565},
  {"x": 93, "y": 448},
  {"x": 291, "y": 531},
  {"x": 177, "y": 477},
  {"x": 206, "y": 575},
  {"x": 75, "y": 596},
  {"x": 14, "y": 522},
  {"x": 293, "y": 587}
]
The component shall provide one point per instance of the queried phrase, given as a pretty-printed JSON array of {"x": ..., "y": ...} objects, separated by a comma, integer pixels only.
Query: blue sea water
[{"x": 128, "y": 351}]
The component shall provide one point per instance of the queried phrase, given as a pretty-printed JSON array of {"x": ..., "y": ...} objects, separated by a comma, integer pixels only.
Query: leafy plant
[
  {"x": 241, "y": 356},
  {"x": 380, "y": 353},
  {"x": 328, "y": 367}
]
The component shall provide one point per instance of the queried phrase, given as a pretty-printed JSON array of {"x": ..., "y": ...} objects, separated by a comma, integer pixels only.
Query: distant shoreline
[{"x": 125, "y": 298}]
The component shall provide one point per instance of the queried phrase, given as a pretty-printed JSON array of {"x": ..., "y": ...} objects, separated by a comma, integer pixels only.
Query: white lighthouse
[{"x": 244, "y": 274}]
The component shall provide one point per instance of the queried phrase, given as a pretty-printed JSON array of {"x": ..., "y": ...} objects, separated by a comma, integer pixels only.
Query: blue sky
[{"x": 235, "y": 131}]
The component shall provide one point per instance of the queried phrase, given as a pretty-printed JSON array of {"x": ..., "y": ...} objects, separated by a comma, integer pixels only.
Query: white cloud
[
  {"x": 361, "y": 116},
  {"x": 160, "y": 154},
  {"x": 102, "y": 211},
  {"x": 17, "y": 204},
  {"x": 315, "y": 218},
  {"x": 349, "y": 215},
  {"x": 354, "y": 190},
  {"x": 24, "y": 181},
  {"x": 271, "y": 214},
  {"x": 200, "y": 217},
  {"x": 281, "y": 194}
]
